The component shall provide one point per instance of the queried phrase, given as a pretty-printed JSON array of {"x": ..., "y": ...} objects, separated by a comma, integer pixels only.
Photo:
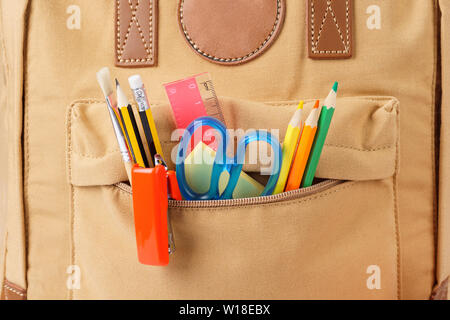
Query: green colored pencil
[{"x": 322, "y": 130}]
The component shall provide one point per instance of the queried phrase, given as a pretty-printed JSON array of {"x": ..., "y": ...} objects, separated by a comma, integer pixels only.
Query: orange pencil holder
[{"x": 152, "y": 187}]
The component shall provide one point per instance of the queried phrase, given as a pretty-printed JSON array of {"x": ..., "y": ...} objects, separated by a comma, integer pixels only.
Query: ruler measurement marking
[{"x": 211, "y": 101}]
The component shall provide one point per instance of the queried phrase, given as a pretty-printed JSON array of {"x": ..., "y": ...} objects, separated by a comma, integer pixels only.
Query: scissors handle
[
  {"x": 222, "y": 162},
  {"x": 219, "y": 161},
  {"x": 238, "y": 162}
]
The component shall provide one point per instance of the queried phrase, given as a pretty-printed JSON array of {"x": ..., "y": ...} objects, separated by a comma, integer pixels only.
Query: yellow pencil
[
  {"x": 104, "y": 80},
  {"x": 303, "y": 150},
  {"x": 145, "y": 113},
  {"x": 131, "y": 128},
  {"x": 289, "y": 145}
]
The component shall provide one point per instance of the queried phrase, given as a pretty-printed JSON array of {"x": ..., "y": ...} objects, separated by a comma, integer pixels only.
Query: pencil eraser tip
[{"x": 135, "y": 82}]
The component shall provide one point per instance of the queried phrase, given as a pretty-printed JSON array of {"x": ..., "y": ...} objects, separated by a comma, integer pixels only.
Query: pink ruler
[
  {"x": 186, "y": 101},
  {"x": 192, "y": 98}
]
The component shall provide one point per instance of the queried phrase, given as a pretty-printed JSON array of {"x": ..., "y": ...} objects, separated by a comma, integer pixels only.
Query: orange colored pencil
[{"x": 303, "y": 150}]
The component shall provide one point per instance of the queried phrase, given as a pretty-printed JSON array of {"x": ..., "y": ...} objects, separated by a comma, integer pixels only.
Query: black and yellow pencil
[
  {"x": 131, "y": 128},
  {"x": 145, "y": 113}
]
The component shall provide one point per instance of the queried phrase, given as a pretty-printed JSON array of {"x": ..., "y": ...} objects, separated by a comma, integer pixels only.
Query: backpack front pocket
[{"x": 335, "y": 240}]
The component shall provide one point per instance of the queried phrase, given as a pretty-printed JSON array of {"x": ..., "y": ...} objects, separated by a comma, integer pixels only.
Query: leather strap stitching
[
  {"x": 120, "y": 47},
  {"x": 347, "y": 31},
  {"x": 13, "y": 290}
]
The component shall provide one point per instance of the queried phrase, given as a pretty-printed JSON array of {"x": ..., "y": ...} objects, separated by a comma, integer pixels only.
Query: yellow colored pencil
[
  {"x": 289, "y": 145},
  {"x": 303, "y": 150}
]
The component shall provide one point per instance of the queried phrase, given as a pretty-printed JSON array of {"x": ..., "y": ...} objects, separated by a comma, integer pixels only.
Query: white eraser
[{"x": 135, "y": 82}]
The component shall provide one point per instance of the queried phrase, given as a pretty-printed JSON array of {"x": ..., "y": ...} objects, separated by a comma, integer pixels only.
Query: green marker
[{"x": 322, "y": 130}]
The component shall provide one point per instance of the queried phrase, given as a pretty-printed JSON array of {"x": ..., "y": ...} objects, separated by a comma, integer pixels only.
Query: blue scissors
[{"x": 224, "y": 163}]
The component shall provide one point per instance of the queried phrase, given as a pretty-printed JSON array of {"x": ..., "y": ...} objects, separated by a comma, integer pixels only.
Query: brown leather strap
[
  {"x": 12, "y": 292},
  {"x": 136, "y": 33},
  {"x": 441, "y": 291},
  {"x": 329, "y": 28}
]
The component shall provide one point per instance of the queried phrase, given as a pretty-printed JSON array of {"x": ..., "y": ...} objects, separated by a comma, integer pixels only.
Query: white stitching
[
  {"x": 211, "y": 57},
  {"x": 337, "y": 26},
  {"x": 133, "y": 12},
  {"x": 345, "y": 43},
  {"x": 321, "y": 25},
  {"x": 13, "y": 290},
  {"x": 148, "y": 48}
]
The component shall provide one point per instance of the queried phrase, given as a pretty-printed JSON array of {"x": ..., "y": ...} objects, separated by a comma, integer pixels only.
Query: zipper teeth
[{"x": 290, "y": 195}]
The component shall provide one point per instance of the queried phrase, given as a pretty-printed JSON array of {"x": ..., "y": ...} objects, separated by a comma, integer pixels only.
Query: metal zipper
[{"x": 290, "y": 195}]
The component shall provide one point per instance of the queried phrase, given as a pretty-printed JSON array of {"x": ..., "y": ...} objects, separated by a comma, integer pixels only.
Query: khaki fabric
[
  {"x": 272, "y": 251},
  {"x": 443, "y": 261},
  {"x": 292, "y": 249},
  {"x": 91, "y": 226},
  {"x": 370, "y": 147},
  {"x": 12, "y": 224}
]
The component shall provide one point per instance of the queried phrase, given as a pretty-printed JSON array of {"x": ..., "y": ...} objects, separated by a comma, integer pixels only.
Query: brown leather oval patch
[{"x": 230, "y": 32}]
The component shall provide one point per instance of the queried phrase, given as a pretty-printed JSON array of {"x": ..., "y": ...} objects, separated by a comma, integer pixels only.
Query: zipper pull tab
[
  {"x": 173, "y": 192},
  {"x": 170, "y": 234}
]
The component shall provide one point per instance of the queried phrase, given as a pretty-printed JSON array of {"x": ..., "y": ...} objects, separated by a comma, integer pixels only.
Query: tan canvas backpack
[{"x": 378, "y": 227}]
